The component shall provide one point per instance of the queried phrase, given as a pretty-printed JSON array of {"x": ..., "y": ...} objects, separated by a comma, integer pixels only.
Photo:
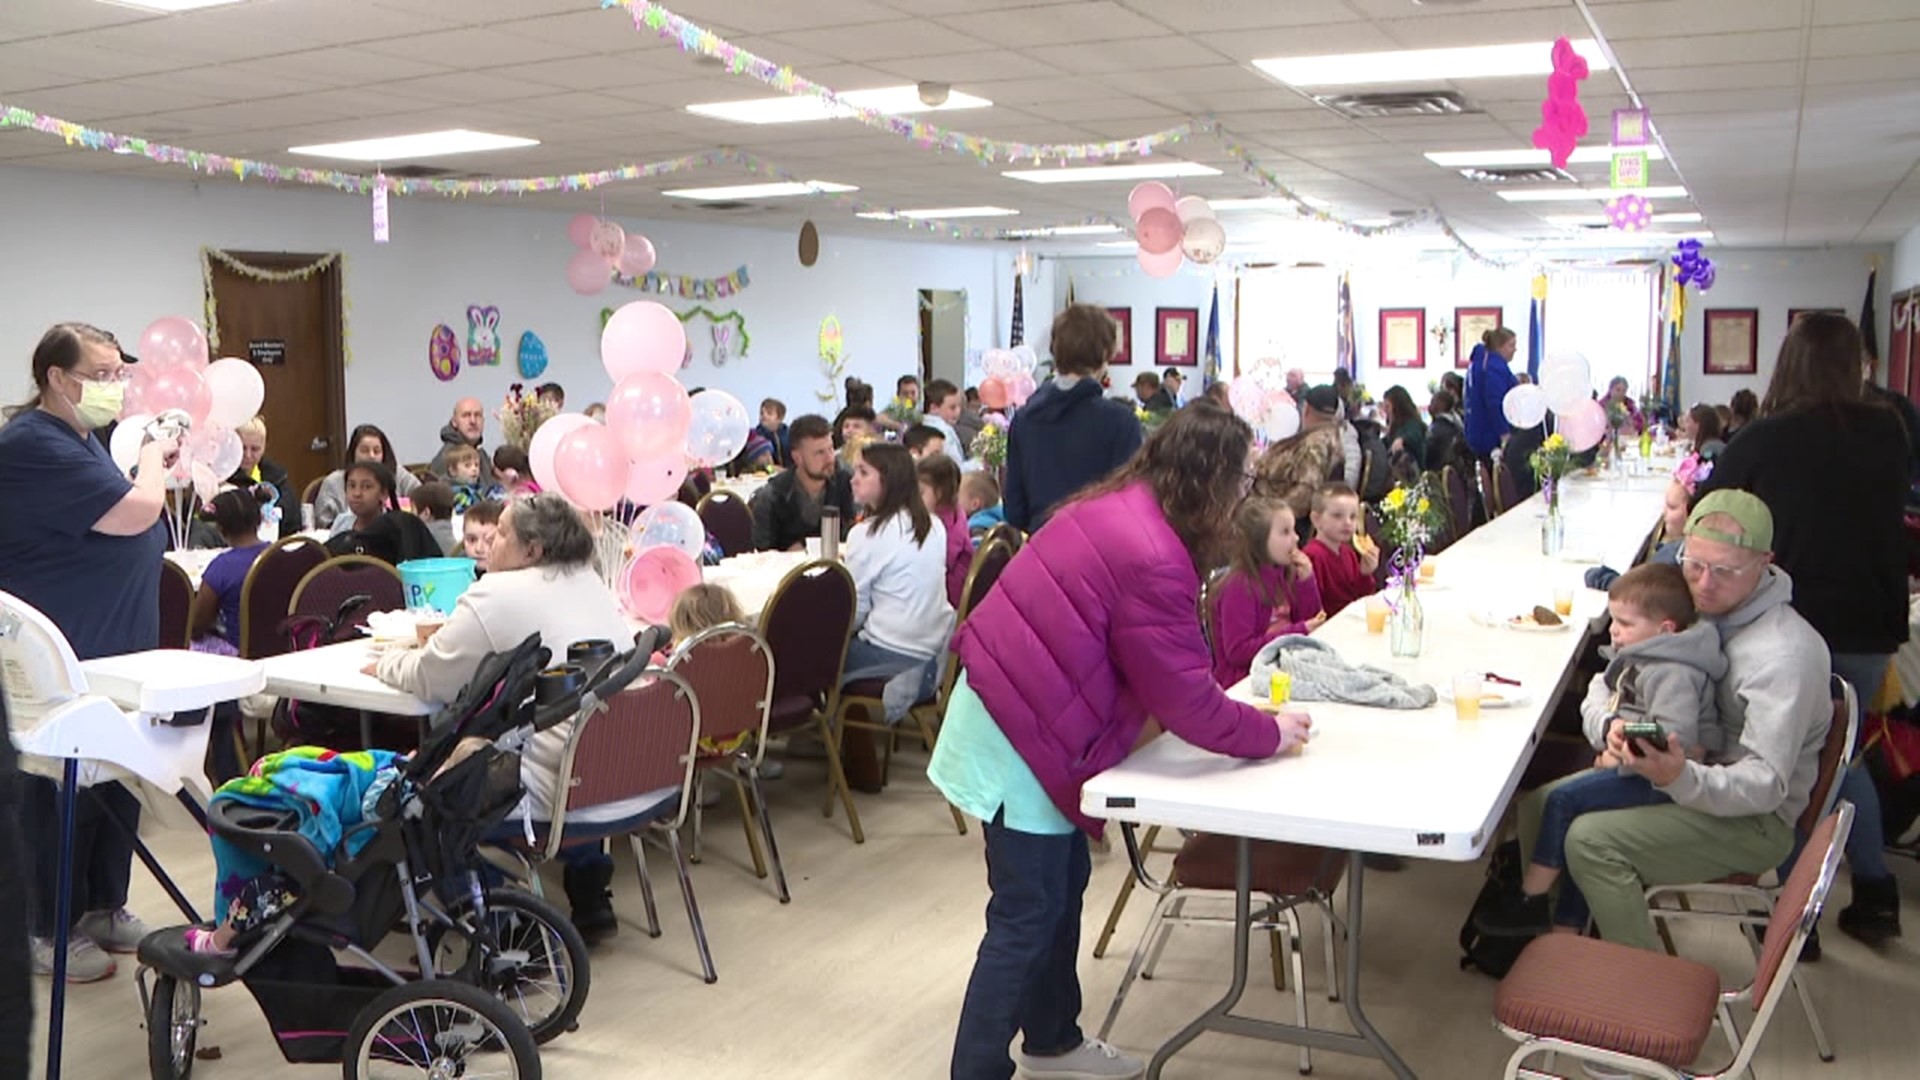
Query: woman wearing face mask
[{"x": 87, "y": 555}]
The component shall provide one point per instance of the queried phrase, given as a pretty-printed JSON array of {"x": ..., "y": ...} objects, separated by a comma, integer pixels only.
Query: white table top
[
  {"x": 753, "y": 578},
  {"x": 1416, "y": 783},
  {"x": 331, "y": 676},
  {"x": 744, "y": 486},
  {"x": 195, "y": 560}
]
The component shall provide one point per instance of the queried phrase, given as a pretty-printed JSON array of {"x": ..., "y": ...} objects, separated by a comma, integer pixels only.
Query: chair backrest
[
  {"x": 1796, "y": 911},
  {"x": 1376, "y": 528},
  {"x": 1008, "y": 532},
  {"x": 638, "y": 741},
  {"x": 808, "y": 623},
  {"x": 731, "y": 671},
  {"x": 327, "y": 586},
  {"x": 1489, "y": 493},
  {"x": 176, "y": 606},
  {"x": 266, "y": 596},
  {"x": 988, "y": 564},
  {"x": 1836, "y": 754},
  {"x": 309, "y": 494},
  {"x": 1506, "y": 487},
  {"x": 726, "y": 516},
  {"x": 1459, "y": 501}
]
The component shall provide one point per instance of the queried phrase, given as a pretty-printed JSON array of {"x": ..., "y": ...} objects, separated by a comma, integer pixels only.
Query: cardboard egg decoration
[
  {"x": 533, "y": 355},
  {"x": 443, "y": 353},
  {"x": 809, "y": 244}
]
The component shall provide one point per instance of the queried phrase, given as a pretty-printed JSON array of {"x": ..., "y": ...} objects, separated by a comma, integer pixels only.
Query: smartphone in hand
[{"x": 1644, "y": 731}]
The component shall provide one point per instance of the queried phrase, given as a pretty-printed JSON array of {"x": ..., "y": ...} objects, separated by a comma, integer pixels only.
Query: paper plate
[{"x": 1522, "y": 623}]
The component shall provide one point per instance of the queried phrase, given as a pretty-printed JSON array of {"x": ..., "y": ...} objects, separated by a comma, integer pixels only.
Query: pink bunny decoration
[{"x": 483, "y": 335}]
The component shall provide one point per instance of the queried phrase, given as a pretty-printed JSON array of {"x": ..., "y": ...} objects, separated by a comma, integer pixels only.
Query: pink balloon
[
  {"x": 994, "y": 393},
  {"x": 1159, "y": 231},
  {"x": 546, "y": 439},
  {"x": 642, "y": 337},
  {"x": 1147, "y": 196},
  {"x": 171, "y": 341},
  {"x": 637, "y": 257},
  {"x": 653, "y": 579},
  {"x": 1583, "y": 425},
  {"x": 590, "y": 467},
  {"x": 580, "y": 230},
  {"x": 1020, "y": 388},
  {"x": 176, "y": 387},
  {"x": 649, "y": 413},
  {"x": 587, "y": 273},
  {"x": 608, "y": 241},
  {"x": 1165, "y": 264},
  {"x": 655, "y": 481}
]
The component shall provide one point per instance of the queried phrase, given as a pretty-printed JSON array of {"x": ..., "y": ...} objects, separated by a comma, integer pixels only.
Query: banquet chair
[
  {"x": 1376, "y": 528},
  {"x": 731, "y": 671},
  {"x": 864, "y": 696},
  {"x": 808, "y": 623},
  {"x": 1506, "y": 487},
  {"x": 727, "y": 518},
  {"x": 311, "y": 491},
  {"x": 1649, "y": 1013},
  {"x": 1286, "y": 875},
  {"x": 1489, "y": 493},
  {"x": 176, "y": 606},
  {"x": 266, "y": 596},
  {"x": 1008, "y": 532},
  {"x": 326, "y": 587},
  {"x": 1459, "y": 501},
  {"x": 1751, "y": 900}
]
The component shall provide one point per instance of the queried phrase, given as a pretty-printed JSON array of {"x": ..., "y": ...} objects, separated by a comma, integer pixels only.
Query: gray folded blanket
[{"x": 1320, "y": 674}]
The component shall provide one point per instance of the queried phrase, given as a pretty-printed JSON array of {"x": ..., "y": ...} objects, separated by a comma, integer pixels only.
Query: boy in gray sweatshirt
[{"x": 1662, "y": 667}]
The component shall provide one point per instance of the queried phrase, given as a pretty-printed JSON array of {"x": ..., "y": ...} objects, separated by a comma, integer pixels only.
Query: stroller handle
[{"x": 610, "y": 680}]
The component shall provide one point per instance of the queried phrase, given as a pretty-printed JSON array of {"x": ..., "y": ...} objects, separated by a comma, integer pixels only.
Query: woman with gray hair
[{"x": 540, "y": 579}]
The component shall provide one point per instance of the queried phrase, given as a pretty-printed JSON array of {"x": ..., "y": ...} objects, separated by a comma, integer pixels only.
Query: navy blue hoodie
[{"x": 1062, "y": 441}]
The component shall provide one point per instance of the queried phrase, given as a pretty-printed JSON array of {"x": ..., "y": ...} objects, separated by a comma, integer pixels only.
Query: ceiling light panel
[
  {"x": 1093, "y": 174},
  {"x": 760, "y": 191},
  {"x": 1587, "y": 220},
  {"x": 1499, "y": 159},
  {"x": 413, "y": 147},
  {"x": 1425, "y": 65},
  {"x": 787, "y": 109},
  {"x": 1060, "y": 230},
  {"x": 941, "y": 212},
  {"x": 170, "y": 6},
  {"x": 1572, "y": 194}
]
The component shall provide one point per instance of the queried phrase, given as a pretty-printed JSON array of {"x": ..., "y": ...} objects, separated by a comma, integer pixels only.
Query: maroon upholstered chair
[
  {"x": 731, "y": 671},
  {"x": 176, "y": 606},
  {"x": 328, "y": 586},
  {"x": 727, "y": 518},
  {"x": 1459, "y": 501},
  {"x": 266, "y": 596},
  {"x": 808, "y": 623},
  {"x": 1506, "y": 487}
]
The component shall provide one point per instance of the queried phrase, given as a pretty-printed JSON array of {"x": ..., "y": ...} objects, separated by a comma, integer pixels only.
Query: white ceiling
[{"x": 1791, "y": 121}]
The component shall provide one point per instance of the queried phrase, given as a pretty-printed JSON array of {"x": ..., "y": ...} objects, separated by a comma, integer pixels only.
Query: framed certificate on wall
[
  {"x": 1733, "y": 341},
  {"x": 1402, "y": 333},
  {"x": 1123, "y": 316},
  {"x": 1176, "y": 332},
  {"x": 1470, "y": 324}
]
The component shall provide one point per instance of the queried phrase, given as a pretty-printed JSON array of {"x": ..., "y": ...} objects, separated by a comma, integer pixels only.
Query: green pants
[{"x": 1616, "y": 855}]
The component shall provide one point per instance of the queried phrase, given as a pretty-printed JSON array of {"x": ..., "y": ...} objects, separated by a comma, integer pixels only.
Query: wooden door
[{"x": 291, "y": 331}]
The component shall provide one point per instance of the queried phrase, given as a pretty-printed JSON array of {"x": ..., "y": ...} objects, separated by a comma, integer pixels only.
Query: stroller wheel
[
  {"x": 530, "y": 956},
  {"x": 436, "y": 1029},
  {"x": 173, "y": 1027}
]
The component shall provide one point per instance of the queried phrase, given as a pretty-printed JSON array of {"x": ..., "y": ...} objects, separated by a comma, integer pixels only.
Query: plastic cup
[
  {"x": 1280, "y": 688},
  {"x": 1376, "y": 614},
  {"x": 1563, "y": 602},
  {"x": 1427, "y": 570},
  {"x": 813, "y": 547},
  {"x": 1468, "y": 686}
]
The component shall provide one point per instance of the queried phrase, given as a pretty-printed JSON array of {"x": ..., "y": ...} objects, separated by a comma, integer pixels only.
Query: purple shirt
[{"x": 225, "y": 574}]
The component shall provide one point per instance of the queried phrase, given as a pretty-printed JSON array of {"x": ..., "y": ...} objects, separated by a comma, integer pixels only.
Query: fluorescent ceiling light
[
  {"x": 1589, "y": 194},
  {"x": 1267, "y": 202},
  {"x": 1096, "y": 173},
  {"x": 1495, "y": 159},
  {"x": 1578, "y": 220},
  {"x": 1060, "y": 230},
  {"x": 170, "y": 6},
  {"x": 939, "y": 212},
  {"x": 787, "y": 109},
  {"x": 409, "y": 147},
  {"x": 760, "y": 191},
  {"x": 1118, "y": 243},
  {"x": 1425, "y": 65}
]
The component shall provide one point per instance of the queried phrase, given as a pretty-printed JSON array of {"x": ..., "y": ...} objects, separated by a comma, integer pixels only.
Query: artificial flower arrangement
[
  {"x": 902, "y": 412},
  {"x": 990, "y": 445},
  {"x": 1551, "y": 463},
  {"x": 521, "y": 413}
]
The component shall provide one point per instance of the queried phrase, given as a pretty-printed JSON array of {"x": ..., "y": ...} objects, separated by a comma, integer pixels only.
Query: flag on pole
[
  {"x": 1018, "y": 334},
  {"x": 1069, "y": 290},
  {"x": 1210, "y": 365},
  {"x": 1537, "y": 327},
  {"x": 1670, "y": 375},
  {"x": 1346, "y": 360},
  {"x": 1869, "y": 321}
]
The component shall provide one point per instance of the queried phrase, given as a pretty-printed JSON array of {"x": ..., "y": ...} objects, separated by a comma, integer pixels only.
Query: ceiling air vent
[
  {"x": 1398, "y": 104},
  {"x": 1517, "y": 174},
  {"x": 419, "y": 172}
]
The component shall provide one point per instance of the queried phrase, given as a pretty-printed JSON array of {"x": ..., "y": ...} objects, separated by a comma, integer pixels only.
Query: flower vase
[
  {"x": 1553, "y": 529},
  {"x": 1407, "y": 623}
]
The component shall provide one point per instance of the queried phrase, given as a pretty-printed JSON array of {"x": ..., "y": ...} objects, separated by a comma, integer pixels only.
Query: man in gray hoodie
[{"x": 1734, "y": 813}]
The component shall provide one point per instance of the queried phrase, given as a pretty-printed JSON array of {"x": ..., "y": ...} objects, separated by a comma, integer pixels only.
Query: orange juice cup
[
  {"x": 1427, "y": 570},
  {"x": 1376, "y": 614},
  {"x": 1563, "y": 602},
  {"x": 1468, "y": 686}
]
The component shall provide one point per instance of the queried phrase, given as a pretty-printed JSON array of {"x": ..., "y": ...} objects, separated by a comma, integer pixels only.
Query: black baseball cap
[{"x": 1323, "y": 399}]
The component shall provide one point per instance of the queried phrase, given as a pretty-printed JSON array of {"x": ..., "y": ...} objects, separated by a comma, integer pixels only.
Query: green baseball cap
[{"x": 1756, "y": 521}]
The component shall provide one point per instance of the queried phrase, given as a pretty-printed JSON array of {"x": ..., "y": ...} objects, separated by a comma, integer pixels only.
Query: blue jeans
[
  {"x": 1025, "y": 979},
  {"x": 910, "y": 679},
  {"x": 1589, "y": 792},
  {"x": 1867, "y": 842}
]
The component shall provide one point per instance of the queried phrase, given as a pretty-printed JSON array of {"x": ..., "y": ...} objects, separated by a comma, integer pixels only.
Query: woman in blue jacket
[{"x": 1488, "y": 380}]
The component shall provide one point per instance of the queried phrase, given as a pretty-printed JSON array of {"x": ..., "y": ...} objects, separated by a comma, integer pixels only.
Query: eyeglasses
[
  {"x": 1703, "y": 568},
  {"x": 120, "y": 374}
]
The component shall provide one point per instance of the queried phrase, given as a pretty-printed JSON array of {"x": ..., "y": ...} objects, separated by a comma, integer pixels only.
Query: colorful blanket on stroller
[{"x": 325, "y": 788}]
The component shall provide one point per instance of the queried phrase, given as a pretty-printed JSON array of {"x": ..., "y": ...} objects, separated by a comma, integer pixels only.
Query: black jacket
[
  {"x": 1060, "y": 442},
  {"x": 1910, "y": 417},
  {"x": 776, "y": 510},
  {"x": 272, "y": 472},
  {"x": 1836, "y": 481}
]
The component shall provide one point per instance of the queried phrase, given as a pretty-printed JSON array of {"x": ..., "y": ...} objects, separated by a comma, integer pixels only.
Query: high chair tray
[{"x": 166, "y": 681}]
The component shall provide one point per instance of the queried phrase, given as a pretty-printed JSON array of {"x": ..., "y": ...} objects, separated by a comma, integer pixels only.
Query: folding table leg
[{"x": 1356, "y": 869}]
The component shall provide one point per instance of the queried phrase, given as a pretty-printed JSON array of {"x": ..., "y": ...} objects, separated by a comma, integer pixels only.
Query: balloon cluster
[
  {"x": 1009, "y": 378},
  {"x": 1173, "y": 230},
  {"x": 174, "y": 375},
  {"x": 1565, "y": 388},
  {"x": 1259, "y": 396},
  {"x": 604, "y": 249},
  {"x": 1562, "y": 119},
  {"x": 1630, "y": 213},
  {"x": 1691, "y": 267}
]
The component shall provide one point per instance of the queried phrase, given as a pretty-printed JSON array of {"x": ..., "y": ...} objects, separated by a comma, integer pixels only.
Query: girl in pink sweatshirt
[{"x": 1269, "y": 590}]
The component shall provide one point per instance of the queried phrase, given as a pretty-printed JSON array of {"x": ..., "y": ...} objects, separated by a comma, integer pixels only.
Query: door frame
[{"x": 334, "y": 338}]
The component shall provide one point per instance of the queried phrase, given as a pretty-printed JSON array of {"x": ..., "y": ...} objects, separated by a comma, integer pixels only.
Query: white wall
[
  {"x": 1119, "y": 282},
  {"x": 1438, "y": 287},
  {"x": 120, "y": 253},
  {"x": 1775, "y": 281},
  {"x": 1905, "y": 272}
]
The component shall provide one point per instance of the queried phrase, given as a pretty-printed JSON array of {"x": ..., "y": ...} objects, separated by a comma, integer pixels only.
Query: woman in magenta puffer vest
[{"x": 1091, "y": 631}]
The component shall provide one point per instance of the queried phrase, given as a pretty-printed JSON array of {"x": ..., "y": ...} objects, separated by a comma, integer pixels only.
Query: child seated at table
[
  {"x": 476, "y": 532},
  {"x": 1343, "y": 558},
  {"x": 462, "y": 463},
  {"x": 1268, "y": 592},
  {"x": 1673, "y": 524},
  {"x": 773, "y": 428},
  {"x": 369, "y": 488},
  {"x": 1662, "y": 666},
  {"x": 515, "y": 473},
  {"x": 980, "y": 501},
  {"x": 940, "y": 493},
  {"x": 216, "y": 607},
  {"x": 433, "y": 503}
]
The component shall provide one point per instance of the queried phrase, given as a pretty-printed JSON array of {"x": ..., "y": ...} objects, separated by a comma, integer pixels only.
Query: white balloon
[
  {"x": 237, "y": 389},
  {"x": 1000, "y": 363},
  {"x": 1204, "y": 241},
  {"x": 1525, "y": 406},
  {"x": 1281, "y": 424},
  {"x": 1027, "y": 357},
  {"x": 1192, "y": 208},
  {"x": 127, "y": 438},
  {"x": 718, "y": 429},
  {"x": 671, "y": 523},
  {"x": 219, "y": 449},
  {"x": 1564, "y": 384}
]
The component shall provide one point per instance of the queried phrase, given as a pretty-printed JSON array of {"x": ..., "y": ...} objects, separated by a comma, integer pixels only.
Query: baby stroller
[{"x": 496, "y": 970}]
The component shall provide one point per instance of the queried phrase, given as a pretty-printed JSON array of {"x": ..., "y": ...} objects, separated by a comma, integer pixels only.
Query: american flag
[
  {"x": 1346, "y": 361},
  {"x": 1210, "y": 369},
  {"x": 1019, "y": 331}
]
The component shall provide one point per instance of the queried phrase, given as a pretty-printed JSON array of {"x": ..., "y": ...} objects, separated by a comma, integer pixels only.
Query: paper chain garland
[
  {"x": 684, "y": 285},
  {"x": 718, "y": 318}
]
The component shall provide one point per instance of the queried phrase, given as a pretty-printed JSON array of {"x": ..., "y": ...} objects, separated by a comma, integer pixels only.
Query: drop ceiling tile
[
  {"x": 1717, "y": 77},
  {"x": 1837, "y": 12},
  {"x": 1474, "y": 27},
  {"x": 1059, "y": 24},
  {"x": 959, "y": 68},
  {"x": 587, "y": 72},
  {"x": 1770, "y": 46},
  {"x": 1141, "y": 56},
  {"x": 1245, "y": 45},
  {"x": 874, "y": 42},
  {"x": 1678, "y": 18}
]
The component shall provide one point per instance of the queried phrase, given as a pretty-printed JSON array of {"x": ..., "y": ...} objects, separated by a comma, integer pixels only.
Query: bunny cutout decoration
[
  {"x": 722, "y": 343},
  {"x": 483, "y": 335}
]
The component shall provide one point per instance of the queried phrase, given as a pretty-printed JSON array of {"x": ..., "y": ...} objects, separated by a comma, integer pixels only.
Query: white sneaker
[
  {"x": 1092, "y": 1060},
  {"x": 115, "y": 931},
  {"x": 85, "y": 962}
]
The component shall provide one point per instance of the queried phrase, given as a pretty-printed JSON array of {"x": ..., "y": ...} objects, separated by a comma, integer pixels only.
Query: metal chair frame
[{"x": 745, "y": 772}]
